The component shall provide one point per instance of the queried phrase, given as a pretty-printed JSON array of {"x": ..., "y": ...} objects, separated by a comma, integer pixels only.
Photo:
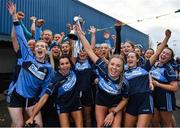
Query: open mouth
[
  {"x": 130, "y": 62},
  {"x": 103, "y": 53},
  {"x": 40, "y": 53},
  {"x": 47, "y": 39},
  {"x": 113, "y": 72}
]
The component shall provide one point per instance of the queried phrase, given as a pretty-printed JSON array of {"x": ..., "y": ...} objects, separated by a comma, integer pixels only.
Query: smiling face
[
  {"x": 64, "y": 65},
  {"x": 115, "y": 67},
  {"x": 128, "y": 48},
  {"x": 40, "y": 50},
  {"x": 82, "y": 55},
  {"x": 148, "y": 53},
  {"x": 55, "y": 51},
  {"x": 57, "y": 37},
  {"x": 132, "y": 59},
  {"x": 138, "y": 51},
  {"x": 65, "y": 48},
  {"x": 47, "y": 36},
  {"x": 165, "y": 56},
  {"x": 104, "y": 49}
]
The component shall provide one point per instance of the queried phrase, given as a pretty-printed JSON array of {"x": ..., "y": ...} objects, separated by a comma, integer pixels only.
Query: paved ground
[
  {"x": 5, "y": 119},
  {"x": 4, "y": 115}
]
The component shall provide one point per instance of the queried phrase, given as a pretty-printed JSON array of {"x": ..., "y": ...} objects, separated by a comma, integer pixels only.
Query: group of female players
[{"x": 131, "y": 89}]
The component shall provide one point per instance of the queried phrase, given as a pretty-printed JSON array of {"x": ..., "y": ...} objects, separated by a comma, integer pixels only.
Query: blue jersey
[
  {"x": 84, "y": 74},
  {"x": 64, "y": 87},
  {"x": 34, "y": 76},
  {"x": 163, "y": 73},
  {"x": 107, "y": 84},
  {"x": 164, "y": 99},
  {"x": 138, "y": 78}
]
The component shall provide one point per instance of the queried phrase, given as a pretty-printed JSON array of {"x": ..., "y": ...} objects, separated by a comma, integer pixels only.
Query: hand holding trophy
[{"x": 78, "y": 20}]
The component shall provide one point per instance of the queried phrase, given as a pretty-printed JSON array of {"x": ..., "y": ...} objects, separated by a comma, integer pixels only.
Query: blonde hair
[{"x": 51, "y": 59}]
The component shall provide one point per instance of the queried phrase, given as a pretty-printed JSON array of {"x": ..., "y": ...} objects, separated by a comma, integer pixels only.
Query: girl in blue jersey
[
  {"x": 139, "y": 109},
  {"x": 112, "y": 94},
  {"x": 33, "y": 77},
  {"x": 84, "y": 70},
  {"x": 65, "y": 85},
  {"x": 165, "y": 83}
]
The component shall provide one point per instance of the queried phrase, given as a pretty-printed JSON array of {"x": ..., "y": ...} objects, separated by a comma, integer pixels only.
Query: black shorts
[
  {"x": 163, "y": 100},
  {"x": 107, "y": 100},
  {"x": 74, "y": 106},
  {"x": 140, "y": 103},
  {"x": 87, "y": 98},
  {"x": 16, "y": 100}
]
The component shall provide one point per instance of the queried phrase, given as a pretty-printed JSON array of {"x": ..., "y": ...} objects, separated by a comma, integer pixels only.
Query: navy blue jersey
[
  {"x": 164, "y": 100},
  {"x": 107, "y": 84},
  {"x": 34, "y": 76},
  {"x": 142, "y": 61},
  {"x": 84, "y": 74},
  {"x": 176, "y": 68},
  {"x": 163, "y": 74},
  {"x": 138, "y": 78},
  {"x": 65, "y": 87}
]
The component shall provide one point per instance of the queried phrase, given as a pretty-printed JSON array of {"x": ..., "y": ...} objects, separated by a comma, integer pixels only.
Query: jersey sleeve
[
  {"x": 47, "y": 87},
  {"x": 147, "y": 66},
  {"x": 26, "y": 52},
  {"x": 101, "y": 67},
  {"x": 125, "y": 88},
  {"x": 28, "y": 35},
  {"x": 38, "y": 31},
  {"x": 170, "y": 74}
]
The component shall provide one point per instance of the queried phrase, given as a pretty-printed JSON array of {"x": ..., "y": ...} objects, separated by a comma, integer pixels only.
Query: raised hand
[
  {"x": 92, "y": 30},
  {"x": 33, "y": 18},
  {"x": 11, "y": 8},
  {"x": 168, "y": 33}
]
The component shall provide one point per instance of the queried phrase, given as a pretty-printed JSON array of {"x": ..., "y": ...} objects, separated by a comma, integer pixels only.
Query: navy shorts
[
  {"x": 87, "y": 98},
  {"x": 108, "y": 100},
  {"x": 74, "y": 106},
  {"x": 16, "y": 100},
  {"x": 163, "y": 100},
  {"x": 141, "y": 103}
]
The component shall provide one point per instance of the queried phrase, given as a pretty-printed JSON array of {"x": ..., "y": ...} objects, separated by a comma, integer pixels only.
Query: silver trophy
[{"x": 79, "y": 20}]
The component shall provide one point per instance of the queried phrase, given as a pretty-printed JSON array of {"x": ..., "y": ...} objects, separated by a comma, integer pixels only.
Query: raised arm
[
  {"x": 161, "y": 47},
  {"x": 93, "y": 36},
  {"x": 118, "y": 37},
  {"x": 20, "y": 16},
  {"x": 25, "y": 50},
  {"x": 33, "y": 25},
  {"x": 86, "y": 45},
  {"x": 38, "y": 29},
  {"x": 14, "y": 40}
]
